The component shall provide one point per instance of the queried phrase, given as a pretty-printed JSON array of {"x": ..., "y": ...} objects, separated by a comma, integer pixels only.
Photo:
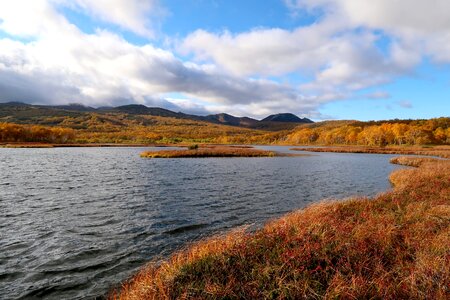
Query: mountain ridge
[{"x": 272, "y": 122}]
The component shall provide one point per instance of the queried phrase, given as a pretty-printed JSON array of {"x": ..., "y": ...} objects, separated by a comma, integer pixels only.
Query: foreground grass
[
  {"x": 209, "y": 151},
  {"x": 394, "y": 246},
  {"x": 442, "y": 151}
]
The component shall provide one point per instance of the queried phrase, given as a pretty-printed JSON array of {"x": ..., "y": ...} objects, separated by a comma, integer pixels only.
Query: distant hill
[
  {"x": 139, "y": 109},
  {"x": 227, "y": 119},
  {"x": 35, "y": 114},
  {"x": 286, "y": 117},
  {"x": 22, "y": 113},
  {"x": 71, "y": 107}
]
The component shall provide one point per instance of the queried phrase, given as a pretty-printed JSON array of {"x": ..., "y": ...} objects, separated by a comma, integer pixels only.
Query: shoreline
[
  {"x": 79, "y": 145},
  {"x": 346, "y": 248},
  {"x": 406, "y": 150},
  {"x": 441, "y": 151}
]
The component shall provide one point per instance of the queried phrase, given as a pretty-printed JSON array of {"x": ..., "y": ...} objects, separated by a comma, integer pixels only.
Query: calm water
[{"x": 76, "y": 221}]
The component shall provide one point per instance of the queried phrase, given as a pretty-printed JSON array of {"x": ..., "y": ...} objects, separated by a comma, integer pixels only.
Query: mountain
[
  {"x": 139, "y": 109},
  {"x": 72, "y": 107},
  {"x": 286, "y": 117},
  {"x": 227, "y": 119},
  {"x": 23, "y": 113}
]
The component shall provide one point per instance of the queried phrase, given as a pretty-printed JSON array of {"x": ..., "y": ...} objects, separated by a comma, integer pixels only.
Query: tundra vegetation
[
  {"x": 146, "y": 129},
  {"x": 394, "y": 246}
]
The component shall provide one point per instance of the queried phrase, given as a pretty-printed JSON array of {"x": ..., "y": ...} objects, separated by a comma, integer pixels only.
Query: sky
[{"x": 321, "y": 59}]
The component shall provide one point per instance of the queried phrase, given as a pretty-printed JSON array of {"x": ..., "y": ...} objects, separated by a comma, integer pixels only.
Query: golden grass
[
  {"x": 209, "y": 151},
  {"x": 412, "y": 161},
  {"x": 27, "y": 145},
  {"x": 394, "y": 246},
  {"x": 442, "y": 151}
]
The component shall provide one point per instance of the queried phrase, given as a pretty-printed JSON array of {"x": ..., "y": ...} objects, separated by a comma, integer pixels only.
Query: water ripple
[{"x": 74, "y": 222}]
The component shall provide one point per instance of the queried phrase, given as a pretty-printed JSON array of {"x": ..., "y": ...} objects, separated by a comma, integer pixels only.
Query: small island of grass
[{"x": 210, "y": 151}]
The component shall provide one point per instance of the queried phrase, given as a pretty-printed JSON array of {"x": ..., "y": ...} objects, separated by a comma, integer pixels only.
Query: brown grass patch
[
  {"x": 394, "y": 246},
  {"x": 442, "y": 151},
  {"x": 412, "y": 161},
  {"x": 209, "y": 151}
]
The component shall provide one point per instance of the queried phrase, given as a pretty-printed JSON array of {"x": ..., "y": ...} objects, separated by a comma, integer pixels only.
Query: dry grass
[
  {"x": 26, "y": 145},
  {"x": 442, "y": 151},
  {"x": 395, "y": 246},
  {"x": 412, "y": 161},
  {"x": 209, "y": 151}
]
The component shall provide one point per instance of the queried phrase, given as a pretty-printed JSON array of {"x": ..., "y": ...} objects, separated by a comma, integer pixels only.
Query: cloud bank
[{"x": 44, "y": 58}]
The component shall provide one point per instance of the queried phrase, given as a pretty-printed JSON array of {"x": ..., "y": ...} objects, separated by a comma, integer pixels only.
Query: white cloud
[
  {"x": 399, "y": 15},
  {"x": 103, "y": 67},
  {"x": 47, "y": 59},
  {"x": 423, "y": 26},
  {"x": 134, "y": 15},
  {"x": 27, "y": 18},
  {"x": 336, "y": 59},
  {"x": 340, "y": 53},
  {"x": 265, "y": 51},
  {"x": 62, "y": 65}
]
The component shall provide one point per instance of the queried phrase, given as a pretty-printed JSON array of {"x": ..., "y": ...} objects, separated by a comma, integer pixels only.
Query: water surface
[{"x": 76, "y": 221}]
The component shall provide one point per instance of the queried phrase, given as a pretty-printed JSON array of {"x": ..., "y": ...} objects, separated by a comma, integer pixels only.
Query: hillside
[
  {"x": 141, "y": 124},
  {"x": 227, "y": 119},
  {"x": 287, "y": 118},
  {"x": 22, "y": 113},
  {"x": 30, "y": 123}
]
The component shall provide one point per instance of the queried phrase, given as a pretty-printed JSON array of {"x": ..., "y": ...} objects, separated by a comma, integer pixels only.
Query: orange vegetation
[
  {"x": 442, "y": 151},
  {"x": 145, "y": 129},
  {"x": 394, "y": 246},
  {"x": 381, "y": 133},
  {"x": 35, "y": 133},
  {"x": 217, "y": 151},
  {"x": 411, "y": 161}
]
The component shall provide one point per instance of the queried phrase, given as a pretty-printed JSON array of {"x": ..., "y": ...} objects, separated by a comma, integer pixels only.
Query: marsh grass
[
  {"x": 394, "y": 246},
  {"x": 442, "y": 151},
  {"x": 209, "y": 151}
]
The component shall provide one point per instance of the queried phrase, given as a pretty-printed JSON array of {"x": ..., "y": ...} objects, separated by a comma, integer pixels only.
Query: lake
[{"x": 75, "y": 222}]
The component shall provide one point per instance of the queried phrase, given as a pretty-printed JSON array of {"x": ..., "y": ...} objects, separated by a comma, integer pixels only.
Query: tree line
[
  {"x": 396, "y": 132},
  {"x": 35, "y": 133},
  {"x": 433, "y": 131}
]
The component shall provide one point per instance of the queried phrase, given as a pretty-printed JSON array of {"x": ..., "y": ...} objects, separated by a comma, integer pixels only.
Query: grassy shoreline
[
  {"x": 394, "y": 246},
  {"x": 79, "y": 145},
  {"x": 442, "y": 151}
]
